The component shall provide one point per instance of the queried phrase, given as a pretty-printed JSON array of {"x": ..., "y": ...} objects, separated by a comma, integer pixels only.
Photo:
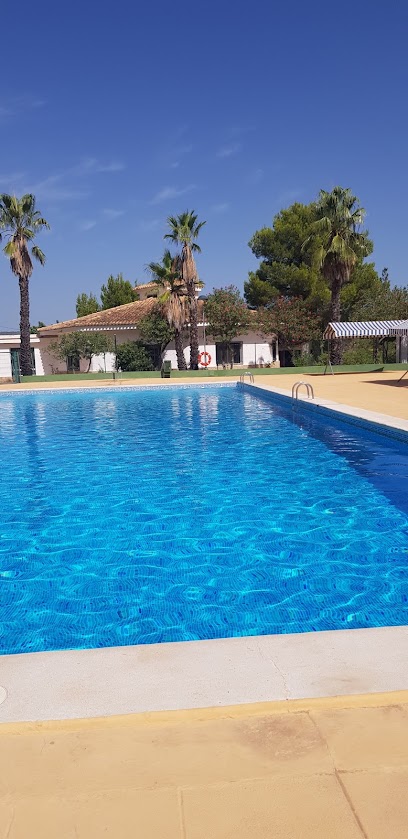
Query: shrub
[
  {"x": 132, "y": 356},
  {"x": 305, "y": 360},
  {"x": 359, "y": 353}
]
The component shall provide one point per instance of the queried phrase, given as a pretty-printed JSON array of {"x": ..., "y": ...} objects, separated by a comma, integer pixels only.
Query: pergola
[{"x": 365, "y": 329}]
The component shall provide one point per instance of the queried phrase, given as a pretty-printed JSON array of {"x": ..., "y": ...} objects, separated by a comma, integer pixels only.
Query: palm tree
[
  {"x": 340, "y": 244},
  {"x": 184, "y": 229},
  {"x": 167, "y": 273},
  {"x": 21, "y": 222}
]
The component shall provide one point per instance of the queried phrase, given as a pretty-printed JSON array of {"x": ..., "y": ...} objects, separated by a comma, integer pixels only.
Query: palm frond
[
  {"x": 9, "y": 249},
  {"x": 38, "y": 254}
]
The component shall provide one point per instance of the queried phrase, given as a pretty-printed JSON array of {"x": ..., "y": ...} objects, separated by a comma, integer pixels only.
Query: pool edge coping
[
  {"x": 381, "y": 423},
  {"x": 189, "y": 676}
]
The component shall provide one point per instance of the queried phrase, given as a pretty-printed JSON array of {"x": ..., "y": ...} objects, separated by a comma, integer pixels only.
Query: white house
[
  {"x": 121, "y": 323},
  {"x": 9, "y": 355}
]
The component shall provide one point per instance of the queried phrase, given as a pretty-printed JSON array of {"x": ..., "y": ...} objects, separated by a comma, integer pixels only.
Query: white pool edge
[{"x": 75, "y": 684}]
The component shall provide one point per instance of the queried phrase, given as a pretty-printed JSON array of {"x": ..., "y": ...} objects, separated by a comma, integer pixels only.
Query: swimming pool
[{"x": 183, "y": 513}]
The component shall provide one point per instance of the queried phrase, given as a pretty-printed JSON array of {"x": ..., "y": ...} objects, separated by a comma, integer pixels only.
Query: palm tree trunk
[
  {"x": 189, "y": 273},
  {"x": 25, "y": 349},
  {"x": 193, "y": 332},
  {"x": 336, "y": 347},
  {"x": 178, "y": 342}
]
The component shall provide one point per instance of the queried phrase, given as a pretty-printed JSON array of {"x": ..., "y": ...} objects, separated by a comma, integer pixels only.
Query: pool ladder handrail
[
  {"x": 247, "y": 373},
  {"x": 309, "y": 390}
]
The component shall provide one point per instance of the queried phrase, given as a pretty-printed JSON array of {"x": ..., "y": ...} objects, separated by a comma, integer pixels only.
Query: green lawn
[{"x": 191, "y": 374}]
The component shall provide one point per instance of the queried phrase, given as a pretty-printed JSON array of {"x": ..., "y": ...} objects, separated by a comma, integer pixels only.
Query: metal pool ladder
[
  {"x": 309, "y": 390},
  {"x": 247, "y": 373}
]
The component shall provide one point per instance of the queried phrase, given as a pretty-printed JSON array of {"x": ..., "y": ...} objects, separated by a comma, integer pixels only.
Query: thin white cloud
[
  {"x": 69, "y": 184},
  {"x": 9, "y": 181},
  {"x": 87, "y": 225},
  {"x": 91, "y": 165},
  {"x": 12, "y": 107},
  {"x": 169, "y": 192},
  {"x": 184, "y": 149},
  {"x": 175, "y": 165},
  {"x": 112, "y": 214},
  {"x": 148, "y": 226},
  {"x": 228, "y": 151},
  {"x": 114, "y": 166},
  {"x": 255, "y": 176},
  {"x": 53, "y": 188},
  {"x": 220, "y": 208},
  {"x": 289, "y": 195}
]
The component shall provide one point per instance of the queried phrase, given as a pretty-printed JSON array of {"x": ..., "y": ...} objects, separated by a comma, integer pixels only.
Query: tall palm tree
[
  {"x": 174, "y": 301},
  {"x": 21, "y": 222},
  {"x": 340, "y": 244},
  {"x": 184, "y": 229}
]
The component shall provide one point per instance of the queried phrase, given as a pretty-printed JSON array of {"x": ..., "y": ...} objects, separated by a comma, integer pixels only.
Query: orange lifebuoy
[{"x": 207, "y": 359}]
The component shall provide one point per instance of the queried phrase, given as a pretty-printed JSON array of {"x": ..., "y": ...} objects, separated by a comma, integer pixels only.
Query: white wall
[
  {"x": 170, "y": 354},
  {"x": 5, "y": 363},
  {"x": 12, "y": 342},
  {"x": 255, "y": 350},
  {"x": 103, "y": 364}
]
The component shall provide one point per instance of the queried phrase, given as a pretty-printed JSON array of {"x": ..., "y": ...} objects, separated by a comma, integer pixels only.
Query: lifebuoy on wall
[{"x": 204, "y": 359}]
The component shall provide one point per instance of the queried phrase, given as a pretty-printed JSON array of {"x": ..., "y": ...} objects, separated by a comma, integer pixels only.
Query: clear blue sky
[{"x": 118, "y": 114}]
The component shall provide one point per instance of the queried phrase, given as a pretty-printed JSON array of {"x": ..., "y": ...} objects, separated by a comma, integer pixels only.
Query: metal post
[
  {"x": 114, "y": 366},
  {"x": 205, "y": 340},
  {"x": 328, "y": 363}
]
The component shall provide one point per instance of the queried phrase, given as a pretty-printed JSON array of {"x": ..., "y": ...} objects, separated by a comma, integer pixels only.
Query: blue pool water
[{"x": 188, "y": 513}]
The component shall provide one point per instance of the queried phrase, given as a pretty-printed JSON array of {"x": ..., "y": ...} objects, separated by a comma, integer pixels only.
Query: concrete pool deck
[{"x": 322, "y": 769}]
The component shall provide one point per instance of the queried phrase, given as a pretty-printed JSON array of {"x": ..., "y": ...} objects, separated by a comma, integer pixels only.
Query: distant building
[
  {"x": 10, "y": 355},
  {"x": 249, "y": 349}
]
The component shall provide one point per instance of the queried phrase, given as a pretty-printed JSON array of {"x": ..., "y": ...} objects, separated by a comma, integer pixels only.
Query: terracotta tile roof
[
  {"x": 146, "y": 285},
  {"x": 124, "y": 316}
]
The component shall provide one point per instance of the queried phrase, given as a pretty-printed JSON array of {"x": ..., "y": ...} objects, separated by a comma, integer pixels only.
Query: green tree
[
  {"x": 131, "y": 356},
  {"x": 117, "y": 292},
  {"x": 86, "y": 304},
  {"x": 155, "y": 331},
  {"x": 291, "y": 321},
  {"x": 338, "y": 243},
  {"x": 96, "y": 343},
  {"x": 227, "y": 316},
  {"x": 285, "y": 269},
  {"x": 34, "y": 329},
  {"x": 21, "y": 222},
  {"x": 184, "y": 230},
  {"x": 174, "y": 300},
  {"x": 388, "y": 303},
  {"x": 288, "y": 268},
  {"x": 76, "y": 345}
]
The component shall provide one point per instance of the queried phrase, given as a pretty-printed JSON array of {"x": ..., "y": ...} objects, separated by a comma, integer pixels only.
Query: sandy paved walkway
[
  {"x": 322, "y": 769},
  {"x": 378, "y": 392}
]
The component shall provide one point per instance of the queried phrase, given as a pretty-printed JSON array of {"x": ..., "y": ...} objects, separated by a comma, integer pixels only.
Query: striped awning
[
  {"x": 365, "y": 329},
  {"x": 402, "y": 329}
]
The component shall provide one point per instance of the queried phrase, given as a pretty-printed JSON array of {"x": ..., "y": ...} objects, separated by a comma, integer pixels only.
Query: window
[
  {"x": 223, "y": 353},
  {"x": 73, "y": 364}
]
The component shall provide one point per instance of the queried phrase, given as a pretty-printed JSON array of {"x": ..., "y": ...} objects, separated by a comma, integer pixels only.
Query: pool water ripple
[{"x": 181, "y": 514}]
